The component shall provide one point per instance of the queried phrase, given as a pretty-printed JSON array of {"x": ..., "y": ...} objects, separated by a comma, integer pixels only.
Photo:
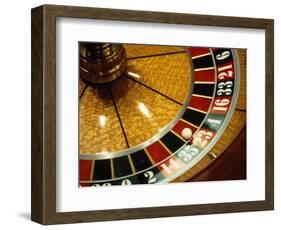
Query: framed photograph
[{"x": 139, "y": 114}]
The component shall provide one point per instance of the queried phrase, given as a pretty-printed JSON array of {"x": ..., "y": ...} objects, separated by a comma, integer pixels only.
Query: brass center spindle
[{"x": 101, "y": 62}]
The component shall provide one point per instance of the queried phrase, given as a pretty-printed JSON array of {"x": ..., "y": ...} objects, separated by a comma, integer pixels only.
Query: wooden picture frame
[{"x": 43, "y": 207}]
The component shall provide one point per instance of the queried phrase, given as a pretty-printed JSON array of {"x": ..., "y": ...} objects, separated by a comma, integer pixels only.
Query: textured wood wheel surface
[{"x": 137, "y": 106}]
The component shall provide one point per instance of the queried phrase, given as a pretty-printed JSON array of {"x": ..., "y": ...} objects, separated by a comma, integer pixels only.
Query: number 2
[{"x": 151, "y": 178}]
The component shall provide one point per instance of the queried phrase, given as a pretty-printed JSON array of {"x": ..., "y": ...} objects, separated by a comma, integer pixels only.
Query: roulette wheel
[{"x": 160, "y": 114}]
